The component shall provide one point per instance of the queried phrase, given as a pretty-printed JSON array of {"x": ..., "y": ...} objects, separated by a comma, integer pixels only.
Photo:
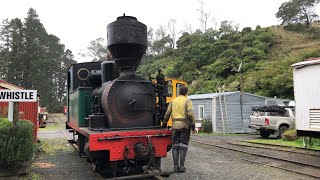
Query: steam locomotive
[{"x": 115, "y": 114}]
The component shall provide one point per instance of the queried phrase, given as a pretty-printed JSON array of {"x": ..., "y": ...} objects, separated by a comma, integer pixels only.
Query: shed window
[{"x": 201, "y": 112}]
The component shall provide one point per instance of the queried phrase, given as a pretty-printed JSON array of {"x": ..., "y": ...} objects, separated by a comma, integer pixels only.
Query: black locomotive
[{"x": 113, "y": 111}]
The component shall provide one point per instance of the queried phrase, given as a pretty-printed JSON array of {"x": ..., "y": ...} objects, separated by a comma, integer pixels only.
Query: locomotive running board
[{"x": 148, "y": 175}]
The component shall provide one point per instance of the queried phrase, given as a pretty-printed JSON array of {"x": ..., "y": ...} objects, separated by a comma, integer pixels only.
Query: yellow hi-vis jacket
[{"x": 180, "y": 110}]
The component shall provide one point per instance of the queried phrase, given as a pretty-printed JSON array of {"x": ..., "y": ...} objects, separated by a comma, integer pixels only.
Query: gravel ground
[
  {"x": 203, "y": 163},
  {"x": 65, "y": 164},
  {"x": 62, "y": 162}
]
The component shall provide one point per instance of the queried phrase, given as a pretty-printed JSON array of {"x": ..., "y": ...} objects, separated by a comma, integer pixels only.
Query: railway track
[
  {"x": 55, "y": 118},
  {"x": 143, "y": 177},
  {"x": 290, "y": 160},
  {"x": 287, "y": 149}
]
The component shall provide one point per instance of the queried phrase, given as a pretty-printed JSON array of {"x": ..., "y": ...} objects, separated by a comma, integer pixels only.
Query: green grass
[
  {"x": 51, "y": 146},
  {"x": 296, "y": 143},
  {"x": 51, "y": 127},
  {"x": 31, "y": 176}
]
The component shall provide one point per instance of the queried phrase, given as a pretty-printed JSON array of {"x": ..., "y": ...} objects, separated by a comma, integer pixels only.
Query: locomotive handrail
[
  {"x": 123, "y": 137},
  {"x": 133, "y": 81},
  {"x": 119, "y": 129}
]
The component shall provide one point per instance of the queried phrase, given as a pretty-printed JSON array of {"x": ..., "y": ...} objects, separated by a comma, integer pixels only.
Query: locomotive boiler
[{"x": 113, "y": 112}]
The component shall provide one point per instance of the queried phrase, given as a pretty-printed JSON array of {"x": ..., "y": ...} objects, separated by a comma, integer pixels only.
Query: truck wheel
[
  {"x": 281, "y": 131},
  {"x": 264, "y": 134}
]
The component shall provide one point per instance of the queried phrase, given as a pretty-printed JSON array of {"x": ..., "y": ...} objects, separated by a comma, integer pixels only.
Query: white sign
[{"x": 18, "y": 95}]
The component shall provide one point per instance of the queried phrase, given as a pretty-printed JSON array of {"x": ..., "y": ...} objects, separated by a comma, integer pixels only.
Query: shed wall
[
  {"x": 207, "y": 103},
  {"x": 212, "y": 111},
  {"x": 234, "y": 113},
  {"x": 306, "y": 92}
]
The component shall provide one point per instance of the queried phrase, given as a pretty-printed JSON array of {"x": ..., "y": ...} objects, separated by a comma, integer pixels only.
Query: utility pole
[
  {"x": 241, "y": 99},
  {"x": 239, "y": 70}
]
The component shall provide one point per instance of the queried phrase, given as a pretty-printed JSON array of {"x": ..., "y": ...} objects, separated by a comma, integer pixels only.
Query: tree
[
  {"x": 97, "y": 51},
  {"x": 34, "y": 59},
  {"x": 172, "y": 29},
  {"x": 150, "y": 41},
  {"x": 4, "y": 49},
  {"x": 297, "y": 11},
  {"x": 227, "y": 28},
  {"x": 16, "y": 55},
  {"x": 35, "y": 35},
  {"x": 162, "y": 42},
  {"x": 188, "y": 28},
  {"x": 204, "y": 15}
]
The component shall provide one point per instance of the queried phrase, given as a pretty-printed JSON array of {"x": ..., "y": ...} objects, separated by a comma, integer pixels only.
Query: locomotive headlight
[{"x": 83, "y": 74}]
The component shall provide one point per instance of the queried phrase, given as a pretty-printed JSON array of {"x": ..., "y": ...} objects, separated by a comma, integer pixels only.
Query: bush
[
  {"x": 207, "y": 125},
  {"x": 290, "y": 135},
  {"x": 16, "y": 144}
]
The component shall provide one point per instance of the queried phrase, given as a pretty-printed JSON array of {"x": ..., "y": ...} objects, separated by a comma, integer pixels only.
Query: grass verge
[
  {"x": 51, "y": 127},
  {"x": 297, "y": 143},
  {"x": 51, "y": 146},
  {"x": 31, "y": 176}
]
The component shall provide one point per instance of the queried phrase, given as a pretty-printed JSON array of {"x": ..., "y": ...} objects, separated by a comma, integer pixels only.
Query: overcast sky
[{"x": 77, "y": 22}]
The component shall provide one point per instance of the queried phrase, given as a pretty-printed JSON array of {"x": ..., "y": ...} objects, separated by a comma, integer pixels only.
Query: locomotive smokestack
[{"x": 127, "y": 42}]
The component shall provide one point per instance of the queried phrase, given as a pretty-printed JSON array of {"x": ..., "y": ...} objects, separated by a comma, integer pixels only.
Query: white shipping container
[{"x": 306, "y": 79}]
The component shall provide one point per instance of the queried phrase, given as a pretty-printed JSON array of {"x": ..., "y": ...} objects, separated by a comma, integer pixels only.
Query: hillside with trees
[{"x": 209, "y": 59}]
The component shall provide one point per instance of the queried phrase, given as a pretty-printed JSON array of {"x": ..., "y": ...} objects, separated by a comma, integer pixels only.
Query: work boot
[
  {"x": 175, "y": 155},
  {"x": 183, "y": 153}
]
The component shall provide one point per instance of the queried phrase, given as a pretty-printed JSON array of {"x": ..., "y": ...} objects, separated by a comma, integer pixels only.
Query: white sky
[{"x": 77, "y": 22}]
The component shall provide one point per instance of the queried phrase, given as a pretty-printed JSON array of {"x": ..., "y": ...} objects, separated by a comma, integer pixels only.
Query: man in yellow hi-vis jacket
[{"x": 180, "y": 110}]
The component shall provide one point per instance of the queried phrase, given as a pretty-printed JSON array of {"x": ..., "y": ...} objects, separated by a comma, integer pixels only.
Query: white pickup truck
[{"x": 270, "y": 122}]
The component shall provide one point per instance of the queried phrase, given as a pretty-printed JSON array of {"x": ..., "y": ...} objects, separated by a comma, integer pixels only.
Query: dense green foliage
[
  {"x": 33, "y": 59},
  {"x": 209, "y": 60},
  {"x": 16, "y": 142}
]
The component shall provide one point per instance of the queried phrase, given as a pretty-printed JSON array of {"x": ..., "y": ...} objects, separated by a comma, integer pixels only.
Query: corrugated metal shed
[
  {"x": 226, "y": 114},
  {"x": 307, "y": 94},
  {"x": 29, "y": 109}
]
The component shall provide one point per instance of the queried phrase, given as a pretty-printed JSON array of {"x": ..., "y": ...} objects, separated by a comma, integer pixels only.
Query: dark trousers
[{"x": 180, "y": 137}]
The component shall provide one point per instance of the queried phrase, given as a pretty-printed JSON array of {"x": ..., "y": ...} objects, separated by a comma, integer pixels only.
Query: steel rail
[
  {"x": 276, "y": 145},
  {"x": 276, "y": 148}
]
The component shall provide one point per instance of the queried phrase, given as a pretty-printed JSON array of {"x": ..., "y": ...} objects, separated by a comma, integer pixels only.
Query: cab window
[
  {"x": 178, "y": 88},
  {"x": 170, "y": 90}
]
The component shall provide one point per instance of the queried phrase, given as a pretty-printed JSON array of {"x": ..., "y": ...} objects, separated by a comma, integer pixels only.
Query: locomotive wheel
[
  {"x": 114, "y": 168},
  {"x": 97, "y": 166}
]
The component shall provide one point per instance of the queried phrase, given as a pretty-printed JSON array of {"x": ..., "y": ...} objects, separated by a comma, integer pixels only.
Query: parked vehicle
[
  {"x": 272, "y": 119},
  {"x": 43, "y": 117}
]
